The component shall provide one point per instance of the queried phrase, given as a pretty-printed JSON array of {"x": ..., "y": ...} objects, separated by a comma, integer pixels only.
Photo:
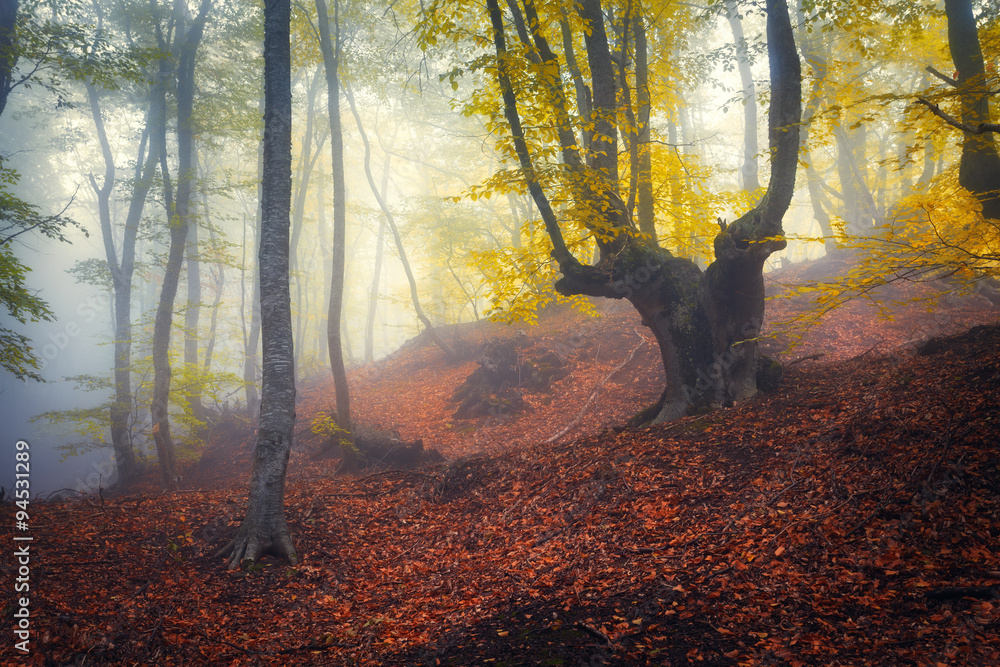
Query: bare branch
[
  {"x": 982, "y": 128},
  {"x": 944, "y": 77}
]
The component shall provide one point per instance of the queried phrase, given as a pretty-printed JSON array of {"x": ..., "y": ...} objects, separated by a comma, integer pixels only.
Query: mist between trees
[{"x": 451, "y": 162}]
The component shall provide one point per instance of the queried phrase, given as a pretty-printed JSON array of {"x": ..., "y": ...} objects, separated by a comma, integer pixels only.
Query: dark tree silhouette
[
  {"x": 8, "y": 47},
  {"x": 979, "y": 170}
]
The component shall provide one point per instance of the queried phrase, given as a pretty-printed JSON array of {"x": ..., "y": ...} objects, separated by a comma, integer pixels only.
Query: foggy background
[{"x": 425, "y": 153}]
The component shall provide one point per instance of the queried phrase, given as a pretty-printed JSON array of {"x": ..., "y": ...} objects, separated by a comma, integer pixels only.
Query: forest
[{"x": 534, "y": 332}]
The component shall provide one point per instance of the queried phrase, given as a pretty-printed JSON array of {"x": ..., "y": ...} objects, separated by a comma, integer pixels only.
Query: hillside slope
[{"x": 850, "y": 518}]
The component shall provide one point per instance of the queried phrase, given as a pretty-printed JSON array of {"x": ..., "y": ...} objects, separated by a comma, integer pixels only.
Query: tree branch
[
  {"x": 944, "y": 77},
  {"x": 982, "y": 128},
  {"x": 567, "y": 262}
]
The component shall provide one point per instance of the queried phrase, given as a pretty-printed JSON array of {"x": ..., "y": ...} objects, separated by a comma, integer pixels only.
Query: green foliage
[
  {"x": 16, "y": 353},
  {"x": 325, "y": 426},
  {"x": 56, "y": 44},
  {"x": 17, "y": 218},
  {"x": 93, "y": 272},
  {"x": 522, "y": 280},
  {"x": 88, "y": 423},
  {"x": 60, "y": 44},
  {"x": 212, "y": 386}
]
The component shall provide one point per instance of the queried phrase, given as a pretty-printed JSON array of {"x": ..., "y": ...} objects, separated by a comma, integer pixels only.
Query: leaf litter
[{"x": 850, "y": 518}]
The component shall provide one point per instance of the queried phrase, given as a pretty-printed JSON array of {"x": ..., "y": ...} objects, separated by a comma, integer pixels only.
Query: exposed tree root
[{"x": 252, "y": 543}]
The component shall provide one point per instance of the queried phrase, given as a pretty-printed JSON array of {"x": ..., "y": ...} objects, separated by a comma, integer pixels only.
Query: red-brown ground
[{"x": 850, "y": 518}]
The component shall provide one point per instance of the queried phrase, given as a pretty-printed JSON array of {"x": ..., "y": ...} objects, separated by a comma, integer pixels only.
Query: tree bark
[
  {"x": 645, "y": 212},
  {"x": 251, "y": 341},
  {"x": 121, "y": 276},
  {"x": 264, "y": 528},
  {"x": 191, "y": 317},
  {"x": 219, "y": 274},
  {"x": 748, "y": 170},
  {"x": 979, "y": 169},
  {"x": 376, "y": 272},
  {"x": 306, "y": 164},
  {"x": 852, "y": 170},
  {"x": 814, "y": 180},
  {"x": 583, "y": 99}
]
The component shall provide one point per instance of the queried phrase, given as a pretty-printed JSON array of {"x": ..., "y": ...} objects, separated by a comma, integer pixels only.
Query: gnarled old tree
[{"x": 705, "y": 322}]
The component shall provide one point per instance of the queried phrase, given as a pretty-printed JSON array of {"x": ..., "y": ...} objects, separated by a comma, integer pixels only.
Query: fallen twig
[
  {"x": 594, "y": 631},
  {"x": 593, "y": 396},
  {"x": 881, "y": 506},
  {"x": 809, "y": 357},
  {"x": 395, "y": 471}
]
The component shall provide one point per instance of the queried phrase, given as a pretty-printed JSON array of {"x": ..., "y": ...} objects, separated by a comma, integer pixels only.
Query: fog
[{"x": 427, "y": 158}]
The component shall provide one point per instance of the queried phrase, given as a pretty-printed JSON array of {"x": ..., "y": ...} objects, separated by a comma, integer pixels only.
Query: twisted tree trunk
[{"x": 705, "y": 323}]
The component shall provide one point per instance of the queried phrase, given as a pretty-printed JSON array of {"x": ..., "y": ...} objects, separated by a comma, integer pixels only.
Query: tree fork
[{"x": 705, "y": 324}]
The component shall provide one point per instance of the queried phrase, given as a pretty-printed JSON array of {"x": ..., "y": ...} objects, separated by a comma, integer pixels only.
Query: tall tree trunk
[
  {"x": 583, "y": 97},
  {"x": 191, "y": 317},
  {"x": 8, "y": 48},
  {"x": 326, "y": 264},
  {"x": 178, "y": 210},
  {"x": 307, "y": 162},
  {"x": 121, "y": 275},
  {"x": 331, "y": 63},
  {"x": 979, "y": 169},
  {"x": 630, "y": 130},
  {"x": 219, "y": 273},
  {"x": 930, "y": 154},
  {"x": 251, "y": 341},
  {"x": 213, "y": 325},
  {"x": 387, "y": 215},
  {"x": 376, "y": 272},
  {"x": 816, "y": 59},
  {"x": 645, "y": 211},
  {"x": 748, "y": 170},
  {"x": 264, "y": 528}
]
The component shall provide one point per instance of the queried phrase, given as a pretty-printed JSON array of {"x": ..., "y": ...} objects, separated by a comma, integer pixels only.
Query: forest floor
[{"x": 852, "y": 517}]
